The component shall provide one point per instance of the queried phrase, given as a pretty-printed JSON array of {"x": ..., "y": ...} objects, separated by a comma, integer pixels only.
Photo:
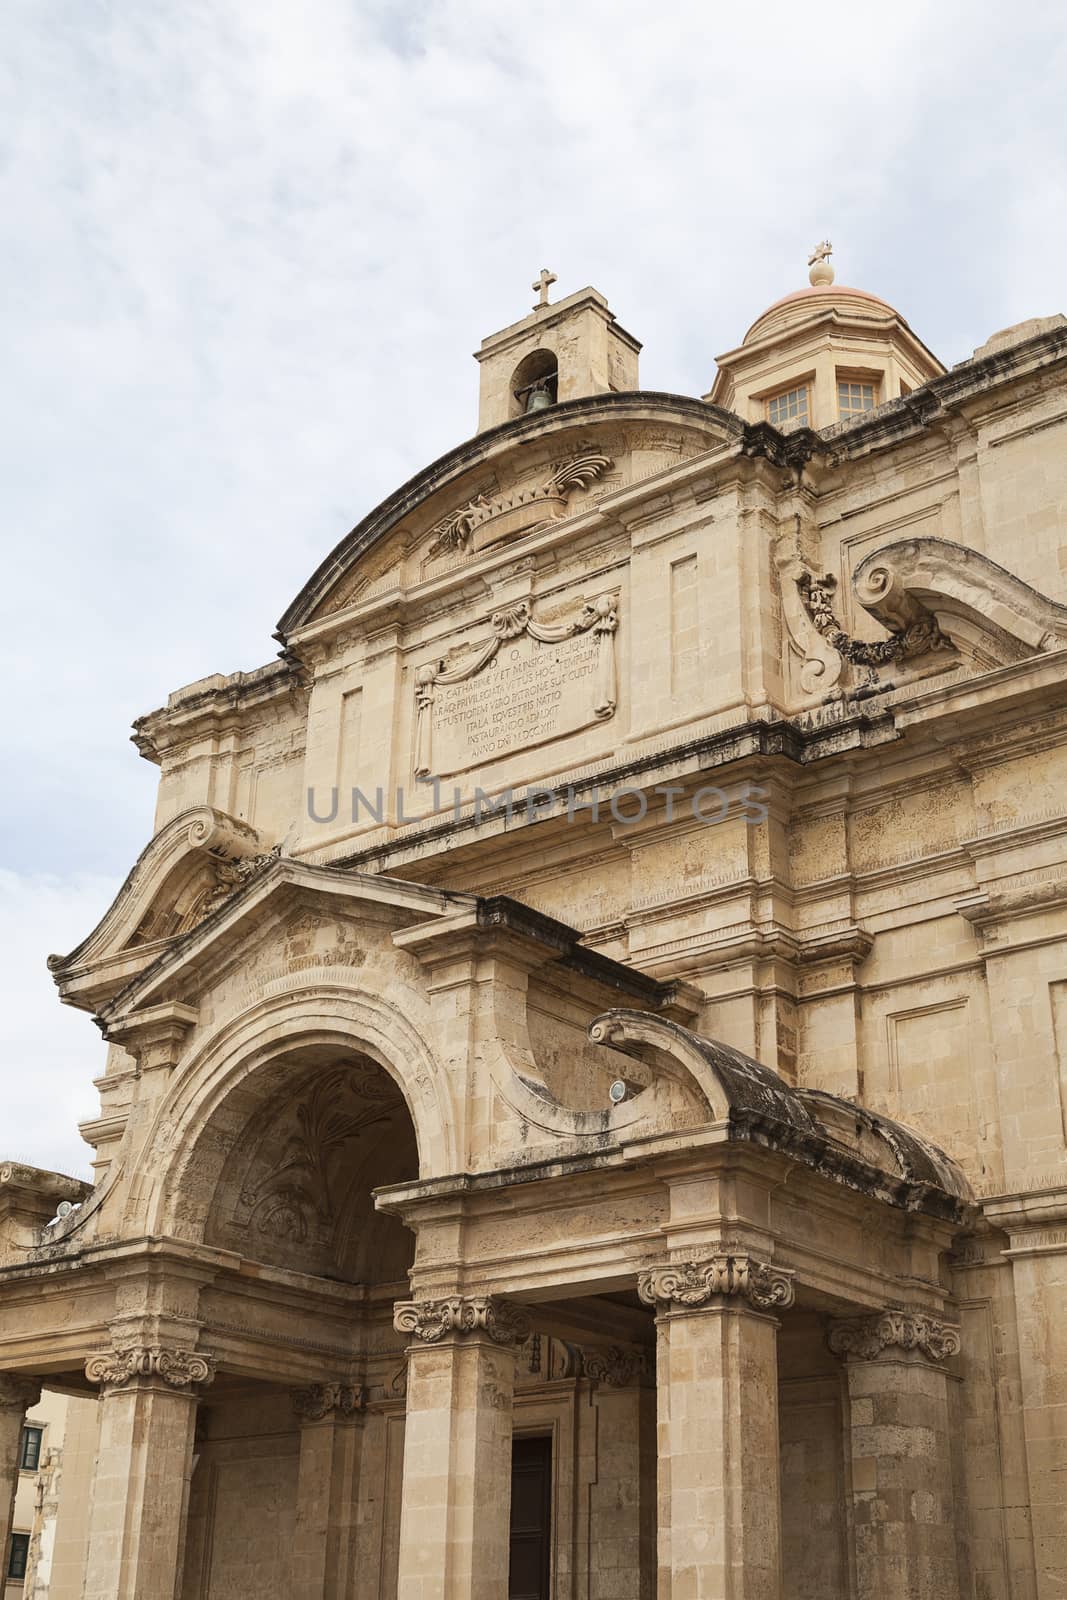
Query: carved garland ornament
[
  {"x": 696, "y": 1283},
  {"x": 865, "y": 1338},
  {"x": 600, "y": 616},
  {"x": 433, "y": 1320},
  {"x": 323, "y": 1400},
  {"x": 181, "y": 1369},
  {"x": 922, "y": 635}
]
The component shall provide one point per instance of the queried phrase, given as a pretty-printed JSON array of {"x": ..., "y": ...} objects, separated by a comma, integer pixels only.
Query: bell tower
[{"x": 559, "y": 352}]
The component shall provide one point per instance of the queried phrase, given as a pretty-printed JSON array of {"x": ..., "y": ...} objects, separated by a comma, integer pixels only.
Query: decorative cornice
[
  {"x": 865, "y": 1338},
  {"x": 688, "y": 1285},
  {"x": 433, "y": 1320},
  {"x": 17, "y": 1393},
  {"x": 180, "y": 1369},
  {"x": 322, "y": 1400}
]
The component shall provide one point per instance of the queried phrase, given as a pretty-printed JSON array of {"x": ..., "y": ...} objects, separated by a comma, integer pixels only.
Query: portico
[{"x": 642, "y": 1174}]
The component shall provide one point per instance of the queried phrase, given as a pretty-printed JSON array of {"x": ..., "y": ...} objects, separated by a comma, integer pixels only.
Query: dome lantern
[{"x": 823, "y": 355}]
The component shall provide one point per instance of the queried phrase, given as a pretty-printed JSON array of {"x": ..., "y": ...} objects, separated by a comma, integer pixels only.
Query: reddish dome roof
[{"x": 793, "y": 307}]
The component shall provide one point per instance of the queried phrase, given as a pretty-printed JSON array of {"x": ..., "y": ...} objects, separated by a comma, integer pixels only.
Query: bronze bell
[{"x": 539, "y": 398}]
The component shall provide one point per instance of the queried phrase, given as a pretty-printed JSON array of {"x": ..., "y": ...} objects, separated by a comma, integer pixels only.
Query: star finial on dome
[{"x": 819, "y": 262}]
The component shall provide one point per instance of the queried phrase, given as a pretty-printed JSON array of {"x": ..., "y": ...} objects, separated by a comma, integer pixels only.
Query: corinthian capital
[
  {"x": 18, "y": 1393},
  {"x": 865, "y": 1338},
  {"x": 180, "y": 1369},
  {"x": 689, "y": 1284},
  {"x": 433, "y": 1320},
  {"x": 328, "y": 1399}
]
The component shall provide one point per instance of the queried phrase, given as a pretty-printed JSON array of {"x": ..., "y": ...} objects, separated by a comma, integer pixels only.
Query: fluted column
[
  {"x": 141, "y": 1484},
  {"x": 327, "y": 1491},
  {"x": 903, "y": 1507},
  {"x": 17, "y": 1395},
  {"x": 719, "y": 1533},
  {"x": 457, "y": 1447}
]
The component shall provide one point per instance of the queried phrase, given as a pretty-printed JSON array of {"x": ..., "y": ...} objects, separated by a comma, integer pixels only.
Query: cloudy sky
[{"x": 250, "y": 246}]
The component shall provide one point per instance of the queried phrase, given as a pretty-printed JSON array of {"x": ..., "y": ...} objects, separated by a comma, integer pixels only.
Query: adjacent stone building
[{"x": 586, "y": 1094}]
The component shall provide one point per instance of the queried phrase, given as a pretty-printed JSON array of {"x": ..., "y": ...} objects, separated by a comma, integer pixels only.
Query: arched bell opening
[
  {"x": 534, "y": 383},
  {"x": 317, "y": 1132}
]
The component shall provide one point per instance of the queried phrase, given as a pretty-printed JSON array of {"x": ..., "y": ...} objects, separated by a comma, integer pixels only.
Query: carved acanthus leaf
[
  {"x": 690, "y": 1284},
  {"x": 323, "y": 1400},
  {"x": 865, "y": 1338},
  {"x": 230, "y": 876},
  {"x": 615, "y": 1366},
  {"x": 430, "y": 1321},
  {"x": 180, "y": 1369}
]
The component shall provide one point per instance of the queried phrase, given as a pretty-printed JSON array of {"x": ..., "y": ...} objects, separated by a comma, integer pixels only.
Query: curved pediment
[
  {"x": 181, "y": 876},
  {"x": 991, "y": 617},
  {"x": 506, "y": 483}
]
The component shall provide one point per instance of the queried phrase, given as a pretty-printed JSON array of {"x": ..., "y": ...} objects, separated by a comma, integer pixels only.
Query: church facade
[{"x": 585, "y": 1111}]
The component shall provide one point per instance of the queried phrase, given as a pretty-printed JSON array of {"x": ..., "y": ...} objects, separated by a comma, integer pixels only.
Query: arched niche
[{"x": 536, "y": 374}]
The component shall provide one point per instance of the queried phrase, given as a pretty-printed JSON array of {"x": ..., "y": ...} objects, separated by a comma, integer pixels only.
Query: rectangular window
[
  {"x": 790, "y": 408},
  {"x": 853, "y": 398},
  {"x": 20, "y": 1554},
  {"x": 30, "y": 1458}
]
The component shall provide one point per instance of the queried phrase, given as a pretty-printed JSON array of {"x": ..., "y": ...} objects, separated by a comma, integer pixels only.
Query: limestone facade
[{"x": 586, "y": 1092}]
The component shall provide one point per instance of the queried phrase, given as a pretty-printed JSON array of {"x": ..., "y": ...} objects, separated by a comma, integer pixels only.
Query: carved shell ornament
[{"x": 483, "y": 521}]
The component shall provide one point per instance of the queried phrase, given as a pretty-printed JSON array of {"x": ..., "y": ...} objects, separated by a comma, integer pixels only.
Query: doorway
[{"x": 531, "y": 1519}]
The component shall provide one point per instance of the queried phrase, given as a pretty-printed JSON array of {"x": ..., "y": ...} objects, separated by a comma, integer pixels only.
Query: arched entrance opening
[
  {"x": 323, "y": 1128},
  {"x": 288, "y": 1162}
]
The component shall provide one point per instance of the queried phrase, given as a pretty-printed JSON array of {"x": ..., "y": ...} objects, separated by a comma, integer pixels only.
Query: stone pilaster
[
  {"x": 457, "y": 1447},
  {"x": 17, "y": 1395},
  {"x": 903, "y": 1503},
  {"x": 1037, "y": 1237},
  {"x": 622, "y": 1495},
  {"x": 719, "y": 1534},
  {"x": 141, "y": 1484},
  {"x": 327, "y": 1491}
]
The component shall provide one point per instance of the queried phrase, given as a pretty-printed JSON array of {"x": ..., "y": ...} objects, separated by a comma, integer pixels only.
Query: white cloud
[
  {"x": 252, "y": 244},
  {"x": 50, "y": 1053}
]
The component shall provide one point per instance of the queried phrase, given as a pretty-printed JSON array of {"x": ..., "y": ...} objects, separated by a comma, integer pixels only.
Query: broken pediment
[
  {"x": 988, "y": 614},
  {"x": 835, "y": 1137},
  {"x": 943, "y": 605},
  {"x": 191, "y": 867},
  {"x": 278, "y": 891},
  {"x": 508, "y": 483}
]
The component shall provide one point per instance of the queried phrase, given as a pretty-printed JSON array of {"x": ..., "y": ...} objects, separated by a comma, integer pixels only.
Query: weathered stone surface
[{"x": 630, "y": 916}]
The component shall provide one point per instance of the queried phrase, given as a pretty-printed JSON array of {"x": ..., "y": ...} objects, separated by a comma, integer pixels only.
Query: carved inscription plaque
[
  {"x": 529, "y": 684},
  {"x": 528, "y": 692}
]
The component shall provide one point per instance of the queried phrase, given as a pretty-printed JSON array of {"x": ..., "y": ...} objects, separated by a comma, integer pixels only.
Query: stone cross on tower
[{"x": 541, "y": 285}]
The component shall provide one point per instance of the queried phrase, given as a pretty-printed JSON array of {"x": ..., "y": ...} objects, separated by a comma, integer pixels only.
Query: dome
[{"x": 797, "y": 307}]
